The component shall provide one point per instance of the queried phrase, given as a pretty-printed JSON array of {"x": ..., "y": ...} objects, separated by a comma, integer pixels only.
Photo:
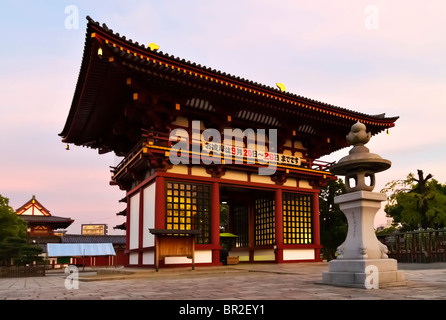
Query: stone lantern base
[
  {"x": 366, "y": 273},
  {"x": 362, "y": 259}
]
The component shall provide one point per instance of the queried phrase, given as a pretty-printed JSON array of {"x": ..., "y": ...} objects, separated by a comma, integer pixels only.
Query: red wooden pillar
[
  {"x": 127, "y": 226},
  {"x": 252, "y": 228},
  {"x": 160, "y": 207},
  {"x": 215, "y": 224},
  {"x": 140, "y": 224},
  {"x": 160, "y": 203},
  {"x": 279, "y": 225},
  {"x": 316, "y": 227}
]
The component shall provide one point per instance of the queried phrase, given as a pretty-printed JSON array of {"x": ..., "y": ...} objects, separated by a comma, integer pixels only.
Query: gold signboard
[{"x": 94, "y": 229}]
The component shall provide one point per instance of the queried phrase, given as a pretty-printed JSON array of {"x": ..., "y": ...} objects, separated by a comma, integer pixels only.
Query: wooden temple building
[
  {"x": 42, "y": 226},
  {"x": 130, "y": 98}
]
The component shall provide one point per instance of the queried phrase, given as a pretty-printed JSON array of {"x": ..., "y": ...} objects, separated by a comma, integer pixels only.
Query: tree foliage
[
  {"x": 11, "y": 226},
  {"x": 19, "y": 252},
  {"x": 333, "y": 223},
  {"x": 416, "y": 202},
  {"x": 14, "y": 247}
]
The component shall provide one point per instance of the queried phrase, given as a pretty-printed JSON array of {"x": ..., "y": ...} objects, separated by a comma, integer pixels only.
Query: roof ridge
[{"x": 249, "y": 82}]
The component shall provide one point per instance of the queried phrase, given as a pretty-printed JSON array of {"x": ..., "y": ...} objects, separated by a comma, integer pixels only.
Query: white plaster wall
[
  {"x": 29, "y": 212},
  {"x": 199, "y": 171},
  {"x": 178, "y": 169},
  {"x": 304, "y": 184},
  {"x": 235, "y": 175},
  {"x": 148, "y": 258},
  {"x": 133, "y": 258},
  {"x": 290, "y": 182},
  {"x": 149, "y": 215},
  {"x": 134, "y": 221},
  {"x": 201, "y": 256},
  {"x": 264, "y": 255},
  {"x": 261, "y": 179},
  {"x": 298, "y": 254},
  {"x": 242, "y": 255}
]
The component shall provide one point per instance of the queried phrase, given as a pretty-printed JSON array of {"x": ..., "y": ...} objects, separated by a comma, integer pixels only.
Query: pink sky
[{"x": 318, "y": 49}]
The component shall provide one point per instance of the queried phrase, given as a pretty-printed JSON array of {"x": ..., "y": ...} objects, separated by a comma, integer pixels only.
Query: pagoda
[{"x": 158, "y": 112}]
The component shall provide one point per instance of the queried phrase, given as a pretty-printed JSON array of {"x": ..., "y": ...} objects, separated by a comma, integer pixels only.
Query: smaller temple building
[
  {"x": 42, "y": 226},
  {"x": 45, "y": 228}
]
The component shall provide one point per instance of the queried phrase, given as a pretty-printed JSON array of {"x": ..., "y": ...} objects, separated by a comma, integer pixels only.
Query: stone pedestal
[
  {"x": 362, "y": 259},
  {"x": 360, "y": 208},
  {"x": 364, "y": 273}
]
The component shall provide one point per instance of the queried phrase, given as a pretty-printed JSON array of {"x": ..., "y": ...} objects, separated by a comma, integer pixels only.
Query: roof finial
[{"x": 358, "y": 135}]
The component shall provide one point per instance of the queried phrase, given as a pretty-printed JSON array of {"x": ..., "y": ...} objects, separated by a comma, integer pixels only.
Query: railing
[
  {"x": 161, "y": 140},
  {"x": 416, "y": 246},
  {"x": 318, "y": 165},
  {"x": 127, "y": 159},
  {"x": 16, "y": 271},
  {"x": 157, "y": 138}
]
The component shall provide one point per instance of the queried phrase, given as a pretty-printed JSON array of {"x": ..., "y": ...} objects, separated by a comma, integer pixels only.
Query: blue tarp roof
[{"x": 80, "y": 249}]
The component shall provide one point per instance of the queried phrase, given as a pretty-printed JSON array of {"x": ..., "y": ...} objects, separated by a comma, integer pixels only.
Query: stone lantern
[{"x": 362, "y": 259}]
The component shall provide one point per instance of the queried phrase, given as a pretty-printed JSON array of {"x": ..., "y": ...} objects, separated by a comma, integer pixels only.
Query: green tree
[
  {"x": 333, "y": 223},
  {"x": 19, "y": 252},
  {"x": 11, "y": 226},
  {"x": 416, "y": 202},
  {"x": 14, "y": 247}
]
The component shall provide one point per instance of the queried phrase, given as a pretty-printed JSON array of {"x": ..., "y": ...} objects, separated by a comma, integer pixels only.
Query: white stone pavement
[{"x": 301, "y": 281}]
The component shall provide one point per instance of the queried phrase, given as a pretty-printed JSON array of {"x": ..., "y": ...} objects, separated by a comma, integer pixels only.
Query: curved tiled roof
[
  {"x": 323, "y": 107},
  {"x": 54, "y": 221},
  {"x": 98, "y": 92}
]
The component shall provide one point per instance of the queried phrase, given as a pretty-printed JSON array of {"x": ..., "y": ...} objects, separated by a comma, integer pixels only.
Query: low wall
[
  {"x": 14, "y": 271},
  {"x": 416, "y": 246}
]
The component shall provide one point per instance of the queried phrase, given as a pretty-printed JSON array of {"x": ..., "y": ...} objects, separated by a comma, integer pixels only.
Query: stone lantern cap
[{"x": 360, "y": 164}]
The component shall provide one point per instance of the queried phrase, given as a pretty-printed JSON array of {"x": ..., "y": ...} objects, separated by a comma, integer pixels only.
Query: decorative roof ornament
[
  {"x": 153, "y": 46},
  {"x": 281, "y": 86}
]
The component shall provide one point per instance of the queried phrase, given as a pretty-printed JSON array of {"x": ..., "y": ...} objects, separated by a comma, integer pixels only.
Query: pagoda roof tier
[
  {"x": 122, "y": 226},
  {"x": 124, "y": 87}
]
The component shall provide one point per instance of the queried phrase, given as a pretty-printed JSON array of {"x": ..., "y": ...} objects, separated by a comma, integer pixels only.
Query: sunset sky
[{"x": 368, "y": 56}]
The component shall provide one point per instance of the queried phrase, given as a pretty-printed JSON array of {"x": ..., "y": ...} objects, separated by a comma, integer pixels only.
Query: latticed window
[
  {"x": 264, "y": 221},
  {"x": 188, "y": 207},
  {"x": 297, "y": 218}
]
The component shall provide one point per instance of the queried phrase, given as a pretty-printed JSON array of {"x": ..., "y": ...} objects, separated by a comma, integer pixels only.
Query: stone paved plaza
[{"x": 243, "y": 282}]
